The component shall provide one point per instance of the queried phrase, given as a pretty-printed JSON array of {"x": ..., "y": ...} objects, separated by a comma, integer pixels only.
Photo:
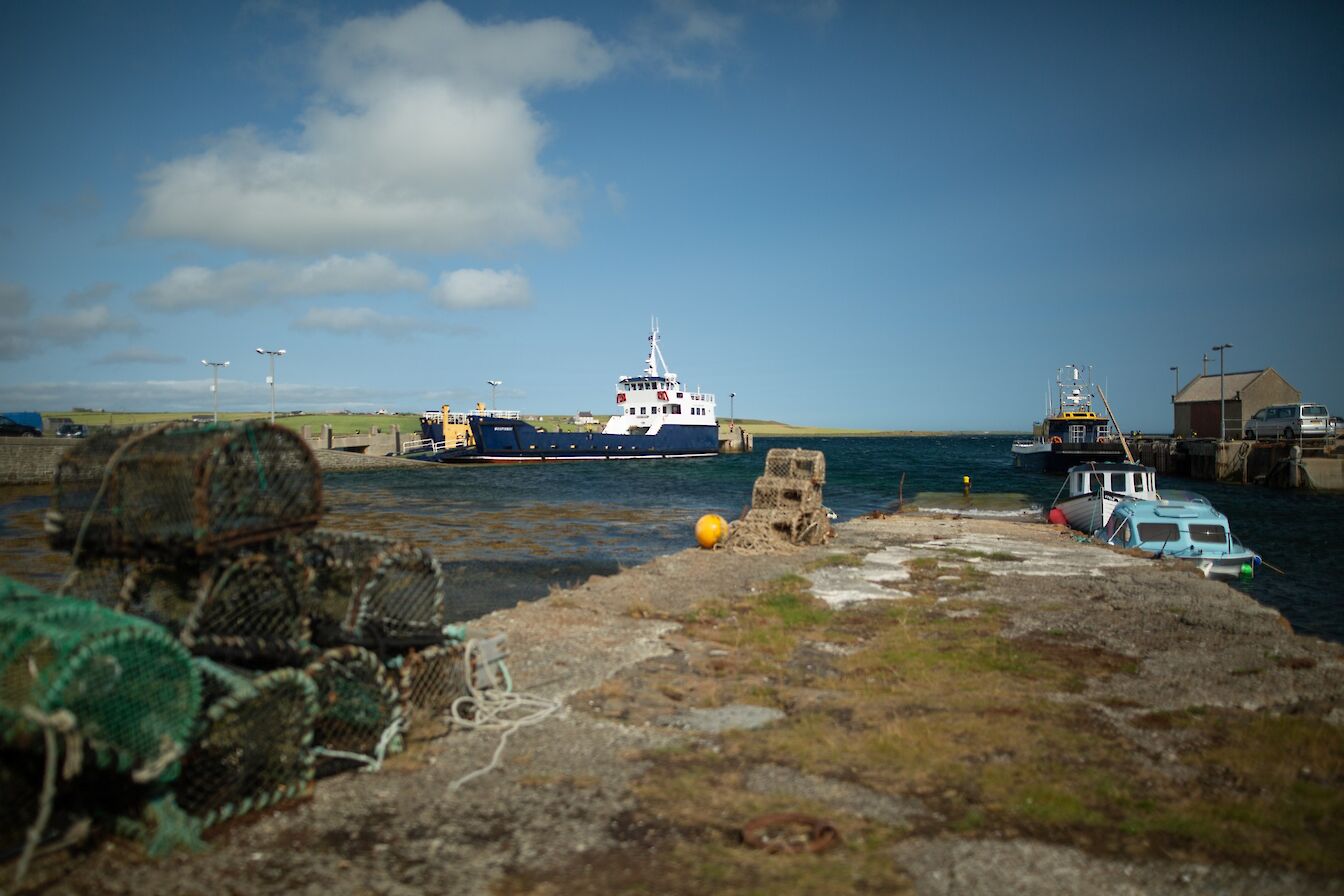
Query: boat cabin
[
  {"x": 656, "y": 398},
  {"x": 1130, "y": 480},
  {"x": 1186, "y": 529}
]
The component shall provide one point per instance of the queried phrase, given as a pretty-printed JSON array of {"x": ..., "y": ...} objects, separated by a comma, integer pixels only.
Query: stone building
[{"x": 1195, "y": 407}]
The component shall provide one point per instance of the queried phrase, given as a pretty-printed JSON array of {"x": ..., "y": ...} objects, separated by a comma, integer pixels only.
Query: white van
[{"x": 1290, "y": 421}]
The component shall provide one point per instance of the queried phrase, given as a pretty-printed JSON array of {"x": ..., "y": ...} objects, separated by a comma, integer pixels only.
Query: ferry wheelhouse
[
  {"x": 656, "y": 417},
  {"x": 1071, "y": 432}
]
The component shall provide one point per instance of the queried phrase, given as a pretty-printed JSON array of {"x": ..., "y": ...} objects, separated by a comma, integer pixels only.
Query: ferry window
[
  {"x": 681, "y": 394},
  {"x": 1158, "y": 532},
  {"x": 1208, "y": 534},
  {"x": 674, "y": 409}
]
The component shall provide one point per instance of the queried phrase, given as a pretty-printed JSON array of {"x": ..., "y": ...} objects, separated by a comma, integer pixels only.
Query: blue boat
[
  {"x": 656, "y": 417},
  {"x": 1187, "y": 529}
]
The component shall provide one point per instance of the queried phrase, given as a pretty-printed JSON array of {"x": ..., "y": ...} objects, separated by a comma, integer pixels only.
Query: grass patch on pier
[{"x": 928, "y": 701}]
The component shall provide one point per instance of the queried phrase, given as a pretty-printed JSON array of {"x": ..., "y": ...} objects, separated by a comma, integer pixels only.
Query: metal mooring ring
[{"x": 790, "y": 832}]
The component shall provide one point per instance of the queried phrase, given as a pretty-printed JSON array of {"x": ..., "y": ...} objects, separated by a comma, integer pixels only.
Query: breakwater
[{"x": 961, "y": 699}]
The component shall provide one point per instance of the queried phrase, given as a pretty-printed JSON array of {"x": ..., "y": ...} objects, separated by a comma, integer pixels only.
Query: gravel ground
[{"x": 563, "y": 786}]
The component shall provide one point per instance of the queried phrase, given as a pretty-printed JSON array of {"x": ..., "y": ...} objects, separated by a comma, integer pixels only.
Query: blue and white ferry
[
  {"x": 656, "y": 417},
  {"x": 1189, "y": 529}
]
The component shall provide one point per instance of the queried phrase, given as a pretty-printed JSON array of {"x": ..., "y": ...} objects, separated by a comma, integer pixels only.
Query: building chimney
[{"x": 1206, "y": 364}]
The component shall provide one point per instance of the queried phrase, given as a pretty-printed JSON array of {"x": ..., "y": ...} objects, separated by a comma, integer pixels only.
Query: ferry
[
  {"x": 656, "y": 417},
  {"x": 1072, "y": 432}
]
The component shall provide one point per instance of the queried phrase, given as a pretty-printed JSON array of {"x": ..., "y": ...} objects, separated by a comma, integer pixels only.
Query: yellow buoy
[{"x": 710, "y": 529}]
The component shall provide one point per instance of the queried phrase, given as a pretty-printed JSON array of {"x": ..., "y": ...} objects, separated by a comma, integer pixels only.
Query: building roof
[{"x": 1205, "y": 388}]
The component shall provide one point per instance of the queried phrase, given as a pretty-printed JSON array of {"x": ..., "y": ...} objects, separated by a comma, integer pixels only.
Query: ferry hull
[{"x": 499, "y": 440}]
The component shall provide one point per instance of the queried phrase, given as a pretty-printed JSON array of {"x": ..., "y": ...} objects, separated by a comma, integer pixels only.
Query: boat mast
[{"x": 656, "y": 356}]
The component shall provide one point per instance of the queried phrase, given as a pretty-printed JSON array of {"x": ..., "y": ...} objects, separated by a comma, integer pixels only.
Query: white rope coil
[{"x": 494, "y": 707}]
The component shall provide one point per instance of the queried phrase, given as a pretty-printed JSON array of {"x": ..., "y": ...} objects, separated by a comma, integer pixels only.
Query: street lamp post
[
  {"x": 493, "y": 384},
  {"x": 732, "y": 416},
  {"x": 274, "y": 353},
  {"x": 214, "y": 388},
  {"x": 1222, "y": 415},
  {"x": 1177, "y": 372}
]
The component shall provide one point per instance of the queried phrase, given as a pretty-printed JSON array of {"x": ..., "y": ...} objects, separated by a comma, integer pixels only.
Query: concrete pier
[
  {"x": 737, "y": 441},
  {"x": 1280, "y": 464}
]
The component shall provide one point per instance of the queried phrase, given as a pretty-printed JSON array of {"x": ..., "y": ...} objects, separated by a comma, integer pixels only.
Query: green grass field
[{"x": 349, "y": 424}]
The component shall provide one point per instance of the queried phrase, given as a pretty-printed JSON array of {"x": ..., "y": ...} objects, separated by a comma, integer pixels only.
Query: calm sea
[{"x": 507, "y": 533}]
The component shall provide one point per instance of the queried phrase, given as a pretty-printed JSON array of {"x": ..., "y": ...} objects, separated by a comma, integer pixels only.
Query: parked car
[
  {"x": 1291, "y": 421},
  {"x": 10, "y": 427},
  {"x": 72, "y": 431}
]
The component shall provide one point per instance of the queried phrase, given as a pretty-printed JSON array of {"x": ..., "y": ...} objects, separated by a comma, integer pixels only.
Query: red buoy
[{"x": 1057, "y": 517}]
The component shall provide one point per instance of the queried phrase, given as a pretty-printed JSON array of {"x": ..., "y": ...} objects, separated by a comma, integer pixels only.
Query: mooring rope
[{"x": 490, "y": 706}]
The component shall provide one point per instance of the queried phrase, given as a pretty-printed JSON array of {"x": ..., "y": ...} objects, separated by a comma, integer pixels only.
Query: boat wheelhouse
[
  {"x": 1189, "y": 530},
  {"x": 656, "y": 417},
  {"x": 1094, "y": 490},
  {"x": 1072, "y": 432}
]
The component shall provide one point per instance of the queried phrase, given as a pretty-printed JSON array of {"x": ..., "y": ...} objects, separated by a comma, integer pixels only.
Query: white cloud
[
  {"x": 685, "y": 40},
  {"x": 483, "y": 288},
  {"x": 90, "y": 295},
  {"x": 14, "y": 301},
  {"x": 250, "y": 283},
  {"x": 136, "y": 355},
  {"x": 420, "y": 139},
  {"x": 616, "y": 199},
  {"x": 80, "y": 326},
  {"x": 358, "y": 320}
]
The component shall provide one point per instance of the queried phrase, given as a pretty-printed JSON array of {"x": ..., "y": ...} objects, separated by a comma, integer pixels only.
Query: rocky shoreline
[{"x": 975, "y": 706}]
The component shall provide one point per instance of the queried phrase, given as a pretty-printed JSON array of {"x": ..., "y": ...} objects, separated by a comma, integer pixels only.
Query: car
[
  {"x": 10, "y": 427},
  {"x": 1290, "y": 421},
  {"x": 72, "y": 431}
]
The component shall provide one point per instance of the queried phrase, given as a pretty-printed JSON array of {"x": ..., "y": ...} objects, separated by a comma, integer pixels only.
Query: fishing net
[
  {"x": 360, "y": 715},
  {"x": 160, "y": 592},
  {"x": 796, "y": 463},
  {"x": 786, "y": 506},
  {"x": 253, "y": 746},
  {"x": 251, "y": 610},
  {"x": 375, "y": 592},
  {"x": 430, "y": 680},
  {"x": 130, "y": 687},
  {"x": 183, "y": 488},
  {"x": 796, "y": 495}
]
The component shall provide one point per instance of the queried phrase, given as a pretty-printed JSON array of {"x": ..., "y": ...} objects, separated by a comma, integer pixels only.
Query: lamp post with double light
[
  {"x": 493, "y": 384},
  {"x": 274, "y": 353},
  {"x": 214, "y": 387}
]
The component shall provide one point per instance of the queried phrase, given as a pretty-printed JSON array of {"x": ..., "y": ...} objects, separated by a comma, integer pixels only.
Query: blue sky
[{"x": 848, "y": 214}]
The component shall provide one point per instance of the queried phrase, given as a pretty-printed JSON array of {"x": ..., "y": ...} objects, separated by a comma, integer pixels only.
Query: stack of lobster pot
[{"x": 786, "y": 500}]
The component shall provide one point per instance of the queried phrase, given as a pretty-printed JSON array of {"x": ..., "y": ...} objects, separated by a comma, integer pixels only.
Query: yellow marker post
[{"x": 966, "y": 485}]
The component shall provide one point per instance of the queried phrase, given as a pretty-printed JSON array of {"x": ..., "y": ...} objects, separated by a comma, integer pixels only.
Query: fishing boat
[
  {"x": 1186, "y": 529},
  {"x": 656, "y": 417},
  {"x": 1092, "y": 491},
  {"x": 1071, "y": 432}
]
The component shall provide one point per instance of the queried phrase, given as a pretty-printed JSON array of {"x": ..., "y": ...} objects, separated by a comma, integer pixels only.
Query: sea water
[{"x": 511, "y": 532}]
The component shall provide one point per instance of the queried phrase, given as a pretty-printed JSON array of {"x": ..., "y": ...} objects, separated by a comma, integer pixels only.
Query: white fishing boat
[{"x": 1092, "y": 491}]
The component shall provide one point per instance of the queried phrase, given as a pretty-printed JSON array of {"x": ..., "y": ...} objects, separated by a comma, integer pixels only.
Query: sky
[{"x": 876, "y": 215}]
